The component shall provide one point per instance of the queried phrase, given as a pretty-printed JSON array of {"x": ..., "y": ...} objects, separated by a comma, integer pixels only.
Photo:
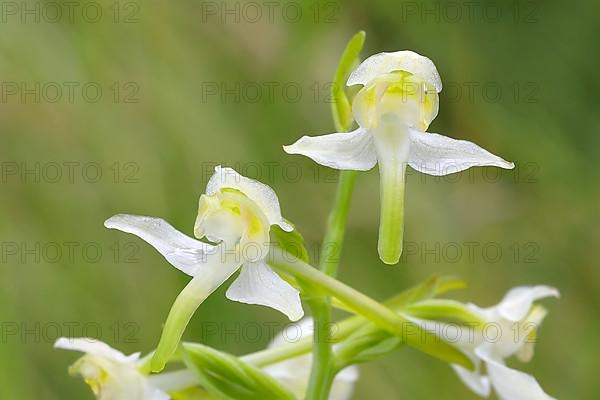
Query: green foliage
[
  {"x": 341, "y": 108},
  {"x": 192, "y": 394},
  {"x": 370, "y": 342},
  {"x": 290, "y": 242},
  {"x": 227, "y": 377},
  {"x": 366, "y": 344},
  {"x": 443, "y": 310}
]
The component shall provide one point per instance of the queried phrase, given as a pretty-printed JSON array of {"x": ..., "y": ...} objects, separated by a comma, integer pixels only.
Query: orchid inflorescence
[{"x": 240, "y": 227}]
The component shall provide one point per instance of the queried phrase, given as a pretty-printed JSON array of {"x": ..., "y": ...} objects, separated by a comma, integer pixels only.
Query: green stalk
[
  {"x": 322, "y": 372},
  {"x": 218, "y": 268},
  {"x": 183, "y": 378},
  {"x": 372, "y": 310}
]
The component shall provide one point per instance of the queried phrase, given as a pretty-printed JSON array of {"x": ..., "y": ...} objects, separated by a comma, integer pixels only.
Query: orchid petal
[
  {"x": 294, "y": 373},
  {"x": 353, "y": 150},
  {"x": 533, "y": 321},
  {"x": 434, "y": 154},
  {"x": 518, "y": 301},
  {"x": 111, "y": 374},
  {"x": 94, "y": 347},
  {"x": 474, "y": 380},
  {"x": 183, "y": 252},
  {"x": 511, "y": 384},
  {"x": 259, "y": 284},
  {"x": 260, "y": 193},
  {"x": 219, "y": 267},
  {"x": 384, "y": 63},
  {"x": 392, "y": 146}
]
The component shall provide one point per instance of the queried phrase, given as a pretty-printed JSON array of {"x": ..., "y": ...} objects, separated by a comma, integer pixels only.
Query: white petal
[
  {"x": 434, "y": 154},
  {"x": 292, "y": 333},
  {"x": 152, "y": 393},
  {"x": 518, "y": 301},
  {"x": 511, "y": 384},
  {"x": 260, "y": 193},
  {"x": 384, "y": 63},
  {"x": 173, "y": 381},
  {"x": 294, "y": 373},
  {"x": 530, "y": 327},
  {"x": 352, "y": 150},
  {"x": 343, "y": 384},
  {"x": 478, "y": 383},
  {"x": 94, "y": 347},
  {"x": 183, "y": 252},
  {"x": 258, "y": 284}
]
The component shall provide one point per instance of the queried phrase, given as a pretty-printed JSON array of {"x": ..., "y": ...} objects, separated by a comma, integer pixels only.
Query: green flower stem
[
  {"x": 372, "y": 310},
  {"x": 219, "y": 267},
  {"x": 322, "y": 372},
  {"x": 303, "y": 346},
  {"x": 184, "y": 378},
  {"x": 181, "y": 312},
  {"x": 336, "y": 227}
]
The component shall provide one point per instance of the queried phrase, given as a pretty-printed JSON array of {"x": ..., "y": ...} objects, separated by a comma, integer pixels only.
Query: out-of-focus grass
[{"x": 173, "y": 136}]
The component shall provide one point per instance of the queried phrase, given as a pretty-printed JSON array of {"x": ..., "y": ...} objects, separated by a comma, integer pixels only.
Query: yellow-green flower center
[
  {"x": 229, "y": 216},
  {"x": 401, "y": 93}
]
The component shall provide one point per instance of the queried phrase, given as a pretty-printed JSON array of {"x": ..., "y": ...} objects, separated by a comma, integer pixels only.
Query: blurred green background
[{"x": 157, "y": 129}]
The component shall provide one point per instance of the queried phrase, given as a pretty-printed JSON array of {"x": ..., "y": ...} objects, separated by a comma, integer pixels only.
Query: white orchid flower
[
  {"x": 110, "y": 374},
  {"x": 510, "y": 329},
  {"x": 294, "y": 373},
  {"x": 398, "y": 101},
  {"x": 236, "y": 213}
]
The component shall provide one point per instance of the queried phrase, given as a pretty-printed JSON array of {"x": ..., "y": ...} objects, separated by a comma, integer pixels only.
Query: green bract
[{"x": 227, "y": 377}]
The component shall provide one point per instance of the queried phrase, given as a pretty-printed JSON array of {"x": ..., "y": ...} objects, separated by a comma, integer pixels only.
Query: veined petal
[
  {"x": 220, "y": 265},
  {"x": 405, "y": 60},
  {"x": 262, "y": 194},
  {"x": 392, "y": 146},
  {"x": 434, "y": 154},
  {"x": 183, "y": 252},
  {"x": 518, "y": 301},
  {"x": 353, "y": 150},
  {"x": 478, "y": 383},
  {"x": 259, "y": 284},
  {"x": 511, "y": 384}
]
